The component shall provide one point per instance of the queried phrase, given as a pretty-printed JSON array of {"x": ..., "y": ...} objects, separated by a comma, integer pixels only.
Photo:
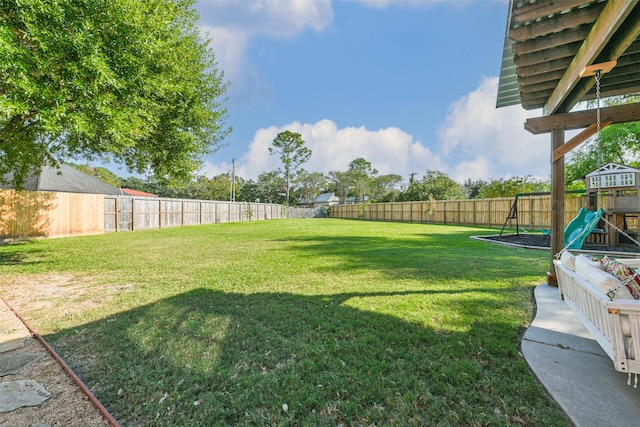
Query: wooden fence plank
[
  {"x": 534, "y": 212},
  {"x": 27, "y": 214}
]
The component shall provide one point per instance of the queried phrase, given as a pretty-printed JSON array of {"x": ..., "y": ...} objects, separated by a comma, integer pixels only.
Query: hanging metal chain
[
  {"x": 598, "y": 73},
  {"x": 619, "y": 230},
  {"x": 598, "y": 126}
]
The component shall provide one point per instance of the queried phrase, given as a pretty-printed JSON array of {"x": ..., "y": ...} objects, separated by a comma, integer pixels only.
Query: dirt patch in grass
[{"x": 33, "y": 293}]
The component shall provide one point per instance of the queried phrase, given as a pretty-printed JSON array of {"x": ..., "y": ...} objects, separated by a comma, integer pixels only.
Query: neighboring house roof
[
  {"x": 65, "y": 179},
  {"x": 130, "y": 192},
  {"x": 325, "y": 198}
]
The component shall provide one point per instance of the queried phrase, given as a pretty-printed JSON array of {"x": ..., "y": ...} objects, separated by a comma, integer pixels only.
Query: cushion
[
  {"x": 587, "y": 260},
  {"x": 589, "y": 269},
  {"x": 568, "y": 260},
  {"x": 630, "y": 262},
  {"x": 623, "y": 272}
]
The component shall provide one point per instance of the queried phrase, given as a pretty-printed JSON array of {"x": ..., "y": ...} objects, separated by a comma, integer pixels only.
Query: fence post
[{"x": 475, "y": 221}]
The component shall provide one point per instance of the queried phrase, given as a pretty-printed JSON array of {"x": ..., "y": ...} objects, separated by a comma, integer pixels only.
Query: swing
[{"x": 606, "y": 302}]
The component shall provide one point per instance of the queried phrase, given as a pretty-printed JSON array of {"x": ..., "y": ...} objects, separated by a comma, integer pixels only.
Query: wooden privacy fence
[
  {"x": 534, "y": 212},
  {"x": 48, "y": 214},
  {"x": 25, "y": 214},
  {"x": 128, "y": 213}
]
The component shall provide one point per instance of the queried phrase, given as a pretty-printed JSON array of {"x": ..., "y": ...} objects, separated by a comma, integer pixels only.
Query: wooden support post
[{"x": 557, "y": 203}]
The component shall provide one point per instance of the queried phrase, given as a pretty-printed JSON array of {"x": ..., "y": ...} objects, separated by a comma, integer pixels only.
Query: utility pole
[
  {"x": 232, "y": 190},
  {"x": 411, "y": 179}
]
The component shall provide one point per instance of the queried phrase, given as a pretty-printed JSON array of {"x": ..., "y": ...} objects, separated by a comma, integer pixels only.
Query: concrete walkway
[{"x": 574, "y": 369}]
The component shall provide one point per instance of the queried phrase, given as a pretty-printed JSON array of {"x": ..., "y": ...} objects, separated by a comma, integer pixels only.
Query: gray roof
[
  {"x": 325, "y": 197},
  {"x": 66, "y": 179}
]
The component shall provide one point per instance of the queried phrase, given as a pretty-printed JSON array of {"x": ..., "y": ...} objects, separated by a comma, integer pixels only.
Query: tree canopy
[
  {"x": 293, "y": 153},
  {"x": 434, "y": 184},
  {"x": 511, "y": 187},
  {"x": 362, "y": 173},
  {"x": 617, "y": 143},
  {"x": 123, "y": 80}
]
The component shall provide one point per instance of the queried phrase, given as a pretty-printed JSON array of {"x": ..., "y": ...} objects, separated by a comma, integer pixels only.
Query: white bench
[{"x": 615, "y": 324}]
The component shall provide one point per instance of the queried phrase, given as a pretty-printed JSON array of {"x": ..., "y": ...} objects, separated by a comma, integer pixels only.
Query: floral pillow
[{"x": 623, "y": 272}]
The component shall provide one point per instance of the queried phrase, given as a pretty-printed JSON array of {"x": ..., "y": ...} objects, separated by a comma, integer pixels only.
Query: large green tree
[
  {"x": 434, "y": 184},
  {"x": 340, "y": 183},
  {"x": 512, "y": 186},
  {"x": 616, "y": 143},
  {"x": 126, "y": 80},
  {"x": 385, "y": 188},
  {"x": 293, "y": 153},
  {"x": 103, "y": 174},
  {"x": 471, "y": 187},
  {"x": 362, "y": 174},
  {"x": 271, "y": 187},
  {"x": 309, "y": 185}
]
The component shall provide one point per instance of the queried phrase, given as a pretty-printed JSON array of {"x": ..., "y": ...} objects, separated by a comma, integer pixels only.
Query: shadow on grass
[
  {"x": 435, "y": 256},
  {"x": 14, "y": 253},
  {"x": 207, "y": 358}
]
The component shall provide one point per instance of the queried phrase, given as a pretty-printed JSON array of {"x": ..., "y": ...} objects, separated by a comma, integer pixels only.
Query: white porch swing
[{"x": 604, "y": 293}]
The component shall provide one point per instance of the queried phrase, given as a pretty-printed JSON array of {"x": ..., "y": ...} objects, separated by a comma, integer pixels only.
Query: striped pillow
[{"x": 623, "y": 272}]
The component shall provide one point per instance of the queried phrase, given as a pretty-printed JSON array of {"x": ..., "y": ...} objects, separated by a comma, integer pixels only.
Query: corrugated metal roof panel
[{"x": 508, "y": 89}]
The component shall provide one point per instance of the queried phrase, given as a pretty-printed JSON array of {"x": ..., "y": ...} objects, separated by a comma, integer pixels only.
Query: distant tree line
[{"x": 361, "y": 182}]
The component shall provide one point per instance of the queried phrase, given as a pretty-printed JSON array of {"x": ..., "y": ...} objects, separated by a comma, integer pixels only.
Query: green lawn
[{"x": 344, "y": 322}]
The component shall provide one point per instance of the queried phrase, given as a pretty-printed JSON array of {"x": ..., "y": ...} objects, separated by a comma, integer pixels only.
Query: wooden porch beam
[
  {"x": 581, "y": 119},
  {"x": 577, "y": 140},
  {"x": 577, "y": 17},
  {"x": 621, "y": 43},
  {"x": 543, "y": 8},
  {"x": 612, "y": 16}
]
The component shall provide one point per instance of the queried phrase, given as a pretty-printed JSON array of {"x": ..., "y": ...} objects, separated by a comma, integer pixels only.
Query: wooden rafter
[
  {"x": 561, "y": 22},
  {"x": 581, "y": 119},
  {"x": 533, "y": 11},
  {"x": 577, "y": 140},
  {"x": 608, "y": 22},
  {"x": 545, "y": 67},
  {"x": 620, "y": 44},
  {"x": 551, "y": 41},
  {"x": 564, "y": 51}
]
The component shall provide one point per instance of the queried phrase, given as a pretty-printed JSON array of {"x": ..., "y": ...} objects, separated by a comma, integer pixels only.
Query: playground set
[
  {"x": 612, "y": 192},
  {"x": 610, "y": 209}
]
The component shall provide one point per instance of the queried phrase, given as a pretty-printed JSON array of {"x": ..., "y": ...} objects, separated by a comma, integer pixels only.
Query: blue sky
[{"x": 408, "y": 85}]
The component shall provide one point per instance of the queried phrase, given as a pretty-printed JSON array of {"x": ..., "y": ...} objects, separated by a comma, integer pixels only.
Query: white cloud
[
  {"x": 232, "y": 24},
  {"x": 477, "y": 138},
  {"x": 272, "y": 18},
  {"x": 476, "y": 141},
  {"x": 390, "y": 150}
]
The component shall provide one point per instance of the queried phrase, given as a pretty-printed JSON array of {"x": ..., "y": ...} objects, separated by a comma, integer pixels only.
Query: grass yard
[{"x": 290, "y": 322}]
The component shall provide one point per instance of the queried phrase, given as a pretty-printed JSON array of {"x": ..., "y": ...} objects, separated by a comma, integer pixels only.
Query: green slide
[{"x": 580, "y": 227}]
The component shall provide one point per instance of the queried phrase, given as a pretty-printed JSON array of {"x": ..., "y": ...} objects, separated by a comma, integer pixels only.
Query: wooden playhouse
[{"x": 614, "y": 187}]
